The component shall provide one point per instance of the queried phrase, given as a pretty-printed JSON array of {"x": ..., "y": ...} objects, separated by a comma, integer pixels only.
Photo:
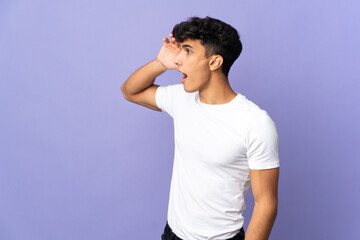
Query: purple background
[{"x": 77, "y": 161}]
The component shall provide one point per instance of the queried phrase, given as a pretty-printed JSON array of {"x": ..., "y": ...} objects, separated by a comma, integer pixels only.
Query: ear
[{"x": 215, "y": 62}]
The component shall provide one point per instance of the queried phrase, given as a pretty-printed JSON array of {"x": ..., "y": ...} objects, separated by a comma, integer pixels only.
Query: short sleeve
[
  {"x": 262, "y": 149},
  {"x": 166, "y": 96}
]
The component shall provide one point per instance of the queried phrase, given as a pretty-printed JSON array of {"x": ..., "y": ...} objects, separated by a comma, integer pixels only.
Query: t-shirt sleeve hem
[
  {"x": 158, "y": 98},
  {"x": 264, "y": 166}
]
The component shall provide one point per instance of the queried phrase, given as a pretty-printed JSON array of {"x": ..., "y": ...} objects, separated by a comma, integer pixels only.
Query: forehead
[{"x": 192, "y": 43}]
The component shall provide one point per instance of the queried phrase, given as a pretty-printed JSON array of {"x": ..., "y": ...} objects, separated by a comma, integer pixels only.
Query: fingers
[
  {"x": 177, "y": 44},
  {"x": 172, "y": 40}
]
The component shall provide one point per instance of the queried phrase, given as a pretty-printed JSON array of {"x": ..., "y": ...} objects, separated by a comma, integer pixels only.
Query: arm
[
  {"x": 143, "y": 78},
  {"x": 264, "y": 185},
  {"x": 139, "y": 87}
]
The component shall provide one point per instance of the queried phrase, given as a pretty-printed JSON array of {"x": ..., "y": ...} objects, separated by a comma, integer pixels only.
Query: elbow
[
  {"x": 269, "y": 205},
  {"x": 274, "y": 211},
  {"x": 123, "y": 88},
  {"x": 123, "y": 91}
]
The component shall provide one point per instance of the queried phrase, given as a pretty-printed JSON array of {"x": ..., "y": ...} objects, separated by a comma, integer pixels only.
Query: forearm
[
  {"x": 261, "y": 222},
  {"x": 143, "y": 78}
]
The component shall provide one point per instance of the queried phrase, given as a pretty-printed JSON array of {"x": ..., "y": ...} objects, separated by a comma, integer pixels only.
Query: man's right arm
[{"x": 139, "y": 88}]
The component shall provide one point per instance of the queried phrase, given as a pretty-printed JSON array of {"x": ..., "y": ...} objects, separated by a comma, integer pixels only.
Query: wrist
[{"x": 160, "y": 65}]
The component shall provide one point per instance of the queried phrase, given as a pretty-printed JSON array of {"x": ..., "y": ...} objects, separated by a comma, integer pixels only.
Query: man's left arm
[{"x": 264, "y": 185}]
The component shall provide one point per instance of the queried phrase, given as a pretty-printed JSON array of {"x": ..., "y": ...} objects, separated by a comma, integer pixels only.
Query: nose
[{"x": 178, "y": 60}]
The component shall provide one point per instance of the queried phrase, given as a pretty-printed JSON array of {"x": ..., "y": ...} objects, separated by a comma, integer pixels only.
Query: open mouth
[{"x": 184, "y": 77}]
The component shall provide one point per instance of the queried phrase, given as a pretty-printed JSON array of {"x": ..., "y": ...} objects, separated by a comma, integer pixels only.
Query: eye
[{"x": 188, "y": 51}]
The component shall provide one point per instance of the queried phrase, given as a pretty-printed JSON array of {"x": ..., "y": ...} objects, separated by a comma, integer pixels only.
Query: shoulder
[
  {"x": 248, "y": 107},
  {"x": 173, "y": 91},
  {"x": 172, "y": 88},
  {"x": 247, "y": 111},
  {"x": 170, "y": 97}
]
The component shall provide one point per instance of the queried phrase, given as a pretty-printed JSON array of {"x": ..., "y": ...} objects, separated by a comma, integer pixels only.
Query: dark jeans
[{"x": 169, "y": 235}]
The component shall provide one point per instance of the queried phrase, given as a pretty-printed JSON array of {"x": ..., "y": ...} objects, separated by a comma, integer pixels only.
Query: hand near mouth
[{"x": 168, "y": 52}]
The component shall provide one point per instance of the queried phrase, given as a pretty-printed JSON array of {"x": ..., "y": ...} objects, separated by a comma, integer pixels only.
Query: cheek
[
  {"x": 199, "y": 65},
  {"x": 203, "y": 70}
]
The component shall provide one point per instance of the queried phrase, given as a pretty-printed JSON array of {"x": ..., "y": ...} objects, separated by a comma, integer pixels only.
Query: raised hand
[{"x": 169, "y": 52}]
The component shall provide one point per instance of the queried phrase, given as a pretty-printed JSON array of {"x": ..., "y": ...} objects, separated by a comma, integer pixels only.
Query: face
[{"x": 192, "y": 62}]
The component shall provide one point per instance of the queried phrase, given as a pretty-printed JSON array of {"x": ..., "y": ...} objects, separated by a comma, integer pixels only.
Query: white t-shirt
[{"x": 215, "y": 148}]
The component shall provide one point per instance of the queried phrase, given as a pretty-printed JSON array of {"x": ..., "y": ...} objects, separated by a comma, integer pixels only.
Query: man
[{"x": 222, "y": 139}]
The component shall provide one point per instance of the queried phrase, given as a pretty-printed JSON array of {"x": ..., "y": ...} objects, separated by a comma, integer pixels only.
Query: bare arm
[
  {"x": 264, "y": 185},
  {"x": 144, "y": 77}
]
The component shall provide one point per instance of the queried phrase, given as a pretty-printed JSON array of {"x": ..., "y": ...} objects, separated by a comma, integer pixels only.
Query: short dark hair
[{"x": 216, "y": 36}]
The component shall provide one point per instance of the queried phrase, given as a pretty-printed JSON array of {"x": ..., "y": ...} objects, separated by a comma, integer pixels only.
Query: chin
[{"x": 189, "y": 90}]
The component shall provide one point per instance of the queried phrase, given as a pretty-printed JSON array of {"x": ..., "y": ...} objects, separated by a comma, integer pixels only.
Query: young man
[{"x": 222, "y": 139}]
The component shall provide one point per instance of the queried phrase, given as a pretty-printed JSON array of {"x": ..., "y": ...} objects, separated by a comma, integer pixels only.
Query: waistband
[{"x": 239, "y": 236}]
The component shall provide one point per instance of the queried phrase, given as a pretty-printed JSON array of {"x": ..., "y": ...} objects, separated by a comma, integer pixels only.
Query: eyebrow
[{"x": 186, "y": 45}]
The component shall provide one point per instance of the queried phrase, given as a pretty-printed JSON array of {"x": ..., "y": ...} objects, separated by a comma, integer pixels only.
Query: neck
[{"x": 217, "y": 91}]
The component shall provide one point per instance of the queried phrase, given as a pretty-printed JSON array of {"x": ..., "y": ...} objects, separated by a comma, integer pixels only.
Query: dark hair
[{"x": 216, "y": 36}]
